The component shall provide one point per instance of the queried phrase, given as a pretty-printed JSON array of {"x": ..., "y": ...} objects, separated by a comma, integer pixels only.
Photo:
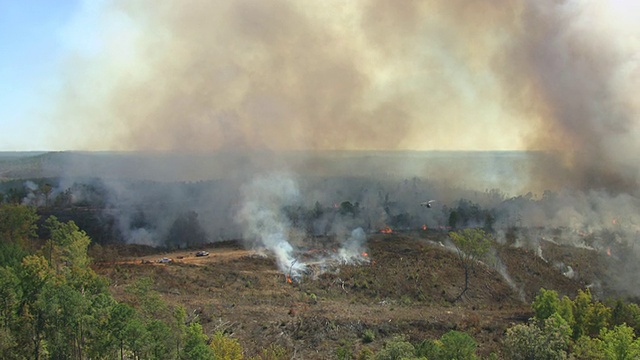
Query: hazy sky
[{"x": 198, "y": 75}]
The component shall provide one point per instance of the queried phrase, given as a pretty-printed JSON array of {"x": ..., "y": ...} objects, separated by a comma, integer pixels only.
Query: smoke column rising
[{"x": 204, "y": 76}]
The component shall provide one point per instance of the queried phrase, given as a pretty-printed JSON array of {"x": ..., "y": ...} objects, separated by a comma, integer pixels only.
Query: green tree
[
  {"x": 471, "y": 245},
  {"x": 7, "y": 344},
  {"x": 566, "y": 310},
  {"x": 136, "y": 337},
  {"x": 62, "y": 308},
  {"x": 195, "y": 347},
  {"x": 119, "y": 319},
  {"x": 534, "y": 342},
  {"x": 620, "y": 343},
  {"x": 10, "y": 295},
  {"x": 396, "y": 349},
  {"x": 160, "y": 340},
  {"x": 225, "y": 347},
  {"x": 590, "y": 317},
  {"x": 11, "y": 254},
  {"x": 179, "y": 327},
  {"x": 430, "y": 349},
  {"x": 33, "y": 273},
  {"x": 101, "y": 342},
  {"x": 46, "y": 190},
  {"x": 457, "y": 345},
  {"x": 70, "y": 244},
  {"x": 586, "y": 348},
  {"x": 545, "y": 304},
  {"x": 18, "y": 224}
]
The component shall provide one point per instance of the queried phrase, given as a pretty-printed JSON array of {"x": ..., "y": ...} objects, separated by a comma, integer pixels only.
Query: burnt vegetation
[{"x": 414, "y": 288}]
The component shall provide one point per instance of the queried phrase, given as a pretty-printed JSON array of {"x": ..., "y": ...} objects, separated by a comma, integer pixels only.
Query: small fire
[
  {"x": 609, "y": 251},
  {"x": 614, "y": 221},
  {"x": 424, "y": 227},
  {"x": 289, "y": 279},
  {"x": 386, "y": 230},
  {"x": 364, "y": 254}
]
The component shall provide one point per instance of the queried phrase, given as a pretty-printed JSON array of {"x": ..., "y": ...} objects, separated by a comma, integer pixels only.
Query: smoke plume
[{"x": 260, "y": 79}]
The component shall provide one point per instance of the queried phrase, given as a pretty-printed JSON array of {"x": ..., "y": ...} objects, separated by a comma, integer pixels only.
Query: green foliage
[
  {"x": 62, "y": 308},
  {"x": 195, "y": 347},
  {"x": 17, "y": 224},
  {"x": 396, "y": 349},
  {"x": 147, "y": 300},
  {"x": 590, "y": 317},
  {"x": 472, "y": 245},
  {"x": 566, "y": 310},
  {"x": 586, "y": 348},
  {"x": 273, "y": 352},
  {"x": 620, "y": 343},
  {"x": 532, "y": 342},
  {"x": 457, "y": 345},
  {"x": 225, "y": 347},
  {"x": 545, "y": 304},
  {"x": 343, "y": 352},
  {"x": 7, "y": 344},
  {"x": 365, "y": 354},
  {"x": 11, "y": 254},
  {"x": 69, "y": 243},
  {"x": 54, "y": 306},
  {"x": 10, "y": 296},
  {"x": 453, "y": 345},
  {"x": 368, "y": 336},
  {"x": 430, "y": 349}
]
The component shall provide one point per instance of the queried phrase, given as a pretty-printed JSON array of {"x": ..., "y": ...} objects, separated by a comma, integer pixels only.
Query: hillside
[{"x": 405, "y": 288}]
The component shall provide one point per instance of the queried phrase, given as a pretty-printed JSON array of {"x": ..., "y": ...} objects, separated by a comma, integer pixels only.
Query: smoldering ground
[{"x": 210, "y": 76}]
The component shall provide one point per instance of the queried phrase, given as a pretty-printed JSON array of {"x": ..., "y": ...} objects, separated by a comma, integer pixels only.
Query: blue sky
[{"x": 32, "y": 47}]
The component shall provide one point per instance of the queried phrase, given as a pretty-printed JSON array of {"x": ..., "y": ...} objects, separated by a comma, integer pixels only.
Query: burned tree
[{"x": 471, "y": 245}]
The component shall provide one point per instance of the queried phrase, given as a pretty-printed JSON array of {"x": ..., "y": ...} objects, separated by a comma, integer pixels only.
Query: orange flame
[
  {"x": 424, "y": 226},
  {"x": 614, "y": 222},
  {"x": 289, "y": 279},
  {"x": 609, "y": 251},
  {"x": 364, "y": 253},
  {"x": 386, "y": 230}
]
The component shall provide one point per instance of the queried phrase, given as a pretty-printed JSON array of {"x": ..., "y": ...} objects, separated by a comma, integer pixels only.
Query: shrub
[
  {"x": 457, "y": 345},
  {"x": 273, "y": 352},
  {"x": 396, "y": 349},
  {"x": 368, "y": 336},
  {"x": 225, "y": 347},
  {"x": 532, "y": 342},
  {"x": 545, "y": 304}
]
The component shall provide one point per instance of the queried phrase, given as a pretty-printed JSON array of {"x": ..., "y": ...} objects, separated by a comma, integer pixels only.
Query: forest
[{"x": 55, "y": 306}]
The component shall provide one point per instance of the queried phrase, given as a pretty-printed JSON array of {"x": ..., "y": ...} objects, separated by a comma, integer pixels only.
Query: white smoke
[
  {"x": 266, "y": 225},
  {"x": 263, "y": 220},
  {"x": 353, "y": 248}
]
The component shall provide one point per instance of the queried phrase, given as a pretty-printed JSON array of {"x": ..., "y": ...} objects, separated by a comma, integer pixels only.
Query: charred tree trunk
[{"x": 466, "y": 284}]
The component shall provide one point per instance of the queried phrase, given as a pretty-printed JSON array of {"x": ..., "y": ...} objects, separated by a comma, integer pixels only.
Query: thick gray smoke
[
  {"x": 559, "y": 77},
  {"x": 574, "y": 64}
]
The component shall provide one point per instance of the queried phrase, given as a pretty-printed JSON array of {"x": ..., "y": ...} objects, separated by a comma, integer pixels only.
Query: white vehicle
[
  {"x": 165, "y": 260},
  {"x": 202, "y": 253}
]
